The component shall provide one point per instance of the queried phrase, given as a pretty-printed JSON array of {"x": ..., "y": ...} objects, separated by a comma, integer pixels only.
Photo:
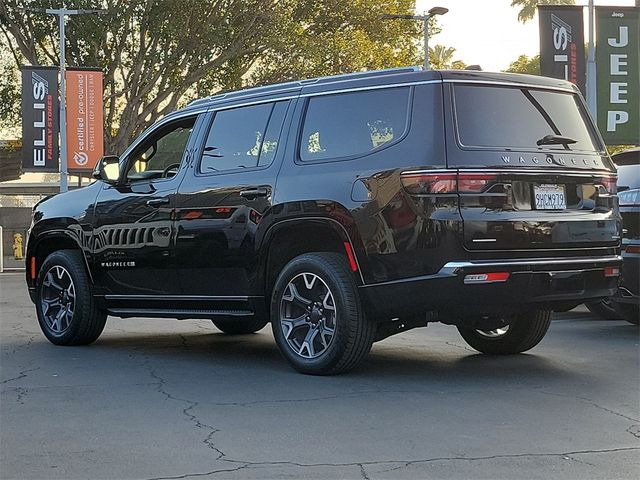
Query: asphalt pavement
[{"x": 168, "y": 399}]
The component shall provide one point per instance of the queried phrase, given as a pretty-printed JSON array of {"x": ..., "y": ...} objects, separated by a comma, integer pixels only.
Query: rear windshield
[{"x": 519, "y": 118}]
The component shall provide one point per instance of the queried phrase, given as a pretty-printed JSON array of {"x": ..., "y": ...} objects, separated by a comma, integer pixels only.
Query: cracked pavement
[{"x": 168, "y": 399}]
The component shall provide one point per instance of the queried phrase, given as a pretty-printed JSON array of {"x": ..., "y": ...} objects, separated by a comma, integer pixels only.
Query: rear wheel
[
  {"x": 524, "y": 332},
  {"x": 239, "y": 326},
  {"x": 317, "y": 317},
  {"x": 603, "y": 307},
  {"x": 67, "y": 312}
]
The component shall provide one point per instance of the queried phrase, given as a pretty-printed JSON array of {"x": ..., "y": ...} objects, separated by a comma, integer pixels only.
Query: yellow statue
[{"x": 17, "y": 246}]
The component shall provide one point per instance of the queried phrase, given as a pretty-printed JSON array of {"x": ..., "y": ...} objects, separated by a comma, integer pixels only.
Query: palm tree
[
  {"x": 441, "y": 58},
  {"x": 528, "y": 7}
]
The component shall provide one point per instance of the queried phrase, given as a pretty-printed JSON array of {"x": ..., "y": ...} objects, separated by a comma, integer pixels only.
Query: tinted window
[
  {"x": 237, "y": 139},
  {"x": 512, "y": 117},
  {"x": 161, "y": 153},
  {"x": 355, "y": 123}
]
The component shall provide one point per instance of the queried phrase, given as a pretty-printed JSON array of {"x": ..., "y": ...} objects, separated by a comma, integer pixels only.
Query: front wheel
[
  {"x": 317, "y": 316},
  {"x": 523, "y": 333},
  {"x": 67, "y": 312}
]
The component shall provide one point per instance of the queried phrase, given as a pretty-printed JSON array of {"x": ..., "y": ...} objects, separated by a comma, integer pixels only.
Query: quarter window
[{"x": 350, "y": 124}]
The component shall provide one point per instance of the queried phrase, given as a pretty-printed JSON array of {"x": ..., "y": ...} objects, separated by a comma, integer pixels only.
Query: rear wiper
[{"x": 555, "y": 140}]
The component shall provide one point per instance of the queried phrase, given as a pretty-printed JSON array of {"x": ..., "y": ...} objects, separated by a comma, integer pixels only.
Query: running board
[{"x": 180, "y": 314}]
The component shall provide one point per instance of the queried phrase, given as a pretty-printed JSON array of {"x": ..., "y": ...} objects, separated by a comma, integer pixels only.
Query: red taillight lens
[
  {"x": 491, "y": 277},
  {"x": 474, "y": 182},
  {"x": 429, "y": 183},
  {"x": 611, "y": 271},
  {"x": 609, "y": 183}
]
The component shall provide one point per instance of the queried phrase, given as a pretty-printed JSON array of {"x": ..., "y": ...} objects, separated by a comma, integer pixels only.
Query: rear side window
[
  {"x": 351, "y": 124},
  {"x": 519, "y": 118},
  {"x": 243, "y": 137}
]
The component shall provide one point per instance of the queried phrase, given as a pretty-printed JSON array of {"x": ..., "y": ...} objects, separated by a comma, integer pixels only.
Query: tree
[
  {"x": 524, "y": 64},
  {"x": 528, "y": 7},
  {"x": 441, "y": 58},
  {"x": 159, "y": 54}
]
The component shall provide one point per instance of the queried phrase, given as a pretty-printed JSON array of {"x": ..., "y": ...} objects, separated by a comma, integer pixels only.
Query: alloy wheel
[
  {"x": 57, "y": 299},
  {"x": 308, "y": 315},
  {"x": 498, "y": 332}
]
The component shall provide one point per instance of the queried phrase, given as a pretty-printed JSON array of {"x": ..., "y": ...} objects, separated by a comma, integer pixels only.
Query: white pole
[
  {"x": 591, "y": 66},
  {"x": 1, "y": 251},
  {"x": 425, "y": 23},
  {"x": 63, "y": 110}
]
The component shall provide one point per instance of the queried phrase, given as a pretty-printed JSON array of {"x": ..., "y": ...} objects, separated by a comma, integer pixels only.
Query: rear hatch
[{"x": 531, "y": 169}]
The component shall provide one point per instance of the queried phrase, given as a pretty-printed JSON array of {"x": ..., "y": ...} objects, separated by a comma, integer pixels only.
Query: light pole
[
  {"x": 591, "y": 66},
  {"x": 425, "y": 26},
  {"x": 61, "y": 14}
]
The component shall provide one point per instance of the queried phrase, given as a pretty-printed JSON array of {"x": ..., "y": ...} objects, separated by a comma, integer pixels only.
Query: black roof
[{"x": 380, "y": 77}]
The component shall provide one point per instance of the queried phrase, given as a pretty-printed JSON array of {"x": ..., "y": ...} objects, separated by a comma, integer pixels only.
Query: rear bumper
[{"x": 538, "y": 283}]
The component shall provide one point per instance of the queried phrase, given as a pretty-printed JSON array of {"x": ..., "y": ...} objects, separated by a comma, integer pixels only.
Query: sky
[{"x": 487, "y": 32}]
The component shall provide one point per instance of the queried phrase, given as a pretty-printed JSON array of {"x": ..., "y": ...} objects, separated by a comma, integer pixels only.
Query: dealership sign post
[
  {"x": 84, "y": 119},
  {"x": 40, "y": 119},
  {"x": 562, "y": 43},
  {"x": 618, "y": 74}
]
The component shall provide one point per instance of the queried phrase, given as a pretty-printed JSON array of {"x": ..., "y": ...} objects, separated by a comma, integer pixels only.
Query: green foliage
[
  {"x": 528, "y": 7},
  {"x": 441, "y": 58},
  {"x": 9, "y": 93},
  {"x": 158, "y": 54},
  {"x": 524, "y": 64}
]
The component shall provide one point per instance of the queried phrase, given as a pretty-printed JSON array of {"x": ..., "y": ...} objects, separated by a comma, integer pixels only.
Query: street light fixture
[
  {"x": 61, "y": 14},
  {"x": 425, "y": 26}
]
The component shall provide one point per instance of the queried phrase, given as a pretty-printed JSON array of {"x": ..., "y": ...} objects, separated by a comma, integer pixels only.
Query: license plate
[{"x": 549, "y": 197}]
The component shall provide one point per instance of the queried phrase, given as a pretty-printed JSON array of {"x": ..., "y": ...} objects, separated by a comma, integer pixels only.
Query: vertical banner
[
  {"x": 618, "y": 74},
  {"x": 40, "y": 119},
  {"x": 85, "y": 134},
  {"x": 562, "y": 43}
]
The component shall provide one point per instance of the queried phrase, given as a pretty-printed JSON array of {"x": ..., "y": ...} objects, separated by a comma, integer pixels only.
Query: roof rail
[{"x": 301, "y": 83}]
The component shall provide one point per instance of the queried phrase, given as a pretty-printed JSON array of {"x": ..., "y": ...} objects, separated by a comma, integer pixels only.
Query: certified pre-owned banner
[
  {"x": 40, "y": 116},
  {"x": 618, "y": 74},
  {"x": 84, "y": 119},
  {"x": 562, "y": 43}
]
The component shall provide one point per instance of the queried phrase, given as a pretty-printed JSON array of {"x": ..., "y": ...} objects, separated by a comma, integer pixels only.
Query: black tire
[
  {"x": 628, "y": 311},
  {"x": 523, "y": 333},
  {"x": 78, "y": 324},
  {"x": 336, "y": 310},
  {"x": 239, "y": 325},
  {"x": 604, "y": 308}
]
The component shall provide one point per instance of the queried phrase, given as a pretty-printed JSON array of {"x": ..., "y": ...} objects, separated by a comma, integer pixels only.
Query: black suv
[{"x": 343, "y": 210}]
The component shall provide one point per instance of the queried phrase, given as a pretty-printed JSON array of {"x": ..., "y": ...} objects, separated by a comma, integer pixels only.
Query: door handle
[
  {"x": 156, "y": 202},
  {"x": 251, "y": 193}
]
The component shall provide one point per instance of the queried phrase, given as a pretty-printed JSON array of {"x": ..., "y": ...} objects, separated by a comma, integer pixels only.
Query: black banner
[
  {"x": 562, "y": 43},
  {"x": 40, "y": 119}
]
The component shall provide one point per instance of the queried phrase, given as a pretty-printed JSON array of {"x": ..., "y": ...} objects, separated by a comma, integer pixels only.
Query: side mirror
[{"x": 107, "y": 169}]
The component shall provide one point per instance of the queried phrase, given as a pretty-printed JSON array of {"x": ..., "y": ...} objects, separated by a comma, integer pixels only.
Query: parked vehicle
[
  {"x": 343, "y": 210},
  {"x": 626, "y": 302}
]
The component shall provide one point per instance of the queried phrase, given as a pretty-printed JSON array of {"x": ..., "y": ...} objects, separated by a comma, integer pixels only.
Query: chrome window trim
[{"x": 511, "y": 84}]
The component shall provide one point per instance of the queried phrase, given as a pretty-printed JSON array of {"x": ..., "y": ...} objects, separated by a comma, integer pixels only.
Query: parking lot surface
[{"x": 156, "y": 399}]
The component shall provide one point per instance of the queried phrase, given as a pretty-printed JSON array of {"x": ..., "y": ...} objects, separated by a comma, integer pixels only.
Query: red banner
[{"x": 85, "y": 135}]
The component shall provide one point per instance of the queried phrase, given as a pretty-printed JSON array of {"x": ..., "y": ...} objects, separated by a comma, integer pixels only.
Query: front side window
[
  {"x": 356, "y": 123},
  {"x": 244, "y": 137},
  {"x": 160, "y": 155}
]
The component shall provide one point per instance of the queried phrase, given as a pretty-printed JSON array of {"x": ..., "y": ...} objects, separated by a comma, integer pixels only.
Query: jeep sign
[
  {"x": 618, "y": 74},
  {"x": 40, "y": 119}
]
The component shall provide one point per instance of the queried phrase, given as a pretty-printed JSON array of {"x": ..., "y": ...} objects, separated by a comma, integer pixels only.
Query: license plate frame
[{"x": 549, "y": 196}]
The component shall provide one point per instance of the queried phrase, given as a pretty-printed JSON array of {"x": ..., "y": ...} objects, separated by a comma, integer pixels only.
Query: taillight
[
  {"x": 425, "y": 183},
  {"x": 632, "y": 249},
  {"x": 491, "y": 277},
  {"x": 609, "y": 183},
  {"x": 611, "y": 271}
]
